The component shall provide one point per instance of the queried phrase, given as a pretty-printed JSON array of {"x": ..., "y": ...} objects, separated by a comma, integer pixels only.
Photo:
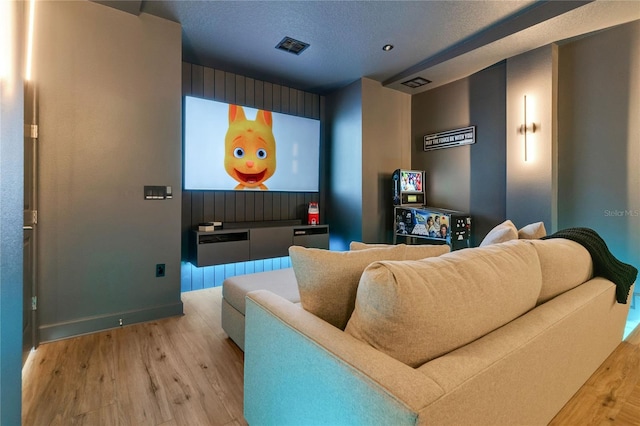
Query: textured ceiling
[{"x": 439, "y": 40}]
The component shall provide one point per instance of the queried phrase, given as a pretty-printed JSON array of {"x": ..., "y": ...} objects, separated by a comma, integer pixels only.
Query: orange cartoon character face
[{"x": 250, "y": 148}]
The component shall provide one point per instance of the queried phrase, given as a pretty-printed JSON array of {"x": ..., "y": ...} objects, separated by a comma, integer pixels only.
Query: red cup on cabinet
[{"x": 313, "y": 217}]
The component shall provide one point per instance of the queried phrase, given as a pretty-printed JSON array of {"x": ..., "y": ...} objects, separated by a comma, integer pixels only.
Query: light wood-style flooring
[
  {"x": 185, "y": 371},
  {"x": 176, "y": 371},
  {"x": 612, "y": 393}
]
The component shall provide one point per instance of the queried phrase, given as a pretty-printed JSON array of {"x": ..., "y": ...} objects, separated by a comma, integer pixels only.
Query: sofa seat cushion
[
  {"x": 415, "y": 311},
  {"x": 328, "y": 280},
  {"x": 565, "y": 265},
  {"x": 280, "y": 281}
]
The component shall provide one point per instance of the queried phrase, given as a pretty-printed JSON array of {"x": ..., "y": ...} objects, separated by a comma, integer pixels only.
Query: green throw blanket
[{"x": 604, "y": 263}]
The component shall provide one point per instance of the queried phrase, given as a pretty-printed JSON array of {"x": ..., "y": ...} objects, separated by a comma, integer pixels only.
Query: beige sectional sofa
[
  {"x": 234, "y": 289},
  {"x": 500, "y": 334},
  {"x": 283, "y": 281}
]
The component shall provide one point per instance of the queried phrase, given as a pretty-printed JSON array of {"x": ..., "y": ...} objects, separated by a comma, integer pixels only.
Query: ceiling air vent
[
  {"x": 292, "y": 45},
  {"x": 416, "y": 82}
]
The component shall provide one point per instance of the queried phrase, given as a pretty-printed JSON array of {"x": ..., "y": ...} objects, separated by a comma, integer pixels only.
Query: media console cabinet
[{"x": 253, "y": 243}]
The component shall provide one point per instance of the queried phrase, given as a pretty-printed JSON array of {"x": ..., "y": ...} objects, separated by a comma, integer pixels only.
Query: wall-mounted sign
[{"x": 450, "y": 138}]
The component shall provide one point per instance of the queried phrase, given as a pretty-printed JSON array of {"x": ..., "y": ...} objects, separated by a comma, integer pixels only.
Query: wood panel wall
[{"x": 239, "y": 206}]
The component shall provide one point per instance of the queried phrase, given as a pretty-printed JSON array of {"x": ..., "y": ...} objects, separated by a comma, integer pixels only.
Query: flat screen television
[
  {"x": 231, "y": 147},
  {"x": 408, "y": 188}
]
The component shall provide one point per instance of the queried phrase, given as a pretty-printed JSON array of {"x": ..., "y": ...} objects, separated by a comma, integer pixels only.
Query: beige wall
[
  {"x": 531, "y": 186},
  {"x": 110, "y": 123},
  {"x": 599, "y": 133},
  {"x": 386, "y": 146},
  {"x": 586, "y": 166}
]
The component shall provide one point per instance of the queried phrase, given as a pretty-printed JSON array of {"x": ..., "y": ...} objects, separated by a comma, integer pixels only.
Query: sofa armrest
[{"x": 300, "y": 369}]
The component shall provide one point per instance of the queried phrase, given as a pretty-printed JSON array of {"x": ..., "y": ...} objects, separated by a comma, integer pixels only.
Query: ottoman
[{"x": 234, "y": 289}]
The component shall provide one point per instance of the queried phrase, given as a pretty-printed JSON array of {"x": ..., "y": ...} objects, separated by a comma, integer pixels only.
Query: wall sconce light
[
  {"x": 6, "y": 45},
  {"x": 527, "y": 128},
  {"x": 32, "y": 9}
]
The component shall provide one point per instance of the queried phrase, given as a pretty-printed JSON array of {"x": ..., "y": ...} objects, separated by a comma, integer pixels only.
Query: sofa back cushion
[
  {"x": 357, "y": 245},
  {"x": 415, "y": 311},
  {"x": 328, "y": 280},
  {"x": 412, "y": 251},
  {"x": 565, "y": 265}
]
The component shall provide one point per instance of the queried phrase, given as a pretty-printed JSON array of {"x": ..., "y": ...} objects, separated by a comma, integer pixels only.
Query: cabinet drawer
[
  {"x": 270, "y": 242},
  {"x": 217, "y": 249},
  {"x": 314, "y": 237}
]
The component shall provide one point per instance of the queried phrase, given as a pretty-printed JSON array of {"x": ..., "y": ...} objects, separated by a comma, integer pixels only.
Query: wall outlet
[{"x": 160, "y": 270}]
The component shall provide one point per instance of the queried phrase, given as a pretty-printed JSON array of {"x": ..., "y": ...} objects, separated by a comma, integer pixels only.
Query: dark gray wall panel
[
  {"x": 469, "y": 178},
  {"x": 250, "y": 206},
  {"x": 447, "y": 177},
  {"x": 197, "y": 81},
  {"x": 250, "y": 91},
  {"x": 186, "y": 77},
  {"x": 11, "y": 204},
  {"x": 208, "y": 82},
  {"x": 219, "y": 85},
  {"x": 345, "y": 157},
  {"x": 229, "y": 87},
  {"x": 487, "y": 90},
  {"x": 284, "y": 99},
  {"x": 258, "y": 94},
  {"x": 240, "y": 90}
]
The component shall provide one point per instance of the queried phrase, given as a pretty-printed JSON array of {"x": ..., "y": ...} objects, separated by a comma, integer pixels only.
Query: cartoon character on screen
[{"x": 249, "y": 148}]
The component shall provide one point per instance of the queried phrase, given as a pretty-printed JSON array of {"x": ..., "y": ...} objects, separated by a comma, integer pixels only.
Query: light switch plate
[{"x": 155, "y": 192}]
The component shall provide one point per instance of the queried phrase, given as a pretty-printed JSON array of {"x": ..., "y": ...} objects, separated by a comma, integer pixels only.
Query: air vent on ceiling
[
  {"x": 416, "y": 82},
  {"x": 292, "y": 45}
]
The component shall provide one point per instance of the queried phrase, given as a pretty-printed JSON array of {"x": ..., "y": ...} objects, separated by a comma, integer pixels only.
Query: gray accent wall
[
  {"x": 469, "y": 178},
  {"x": 447, "y": 171},
  {"x": 584, "y": 169},
  {"x": 110, "y": 123},
  {"x": 488, "y": 169},
  {"x": 345, "y": 159},
  {"x": 599, "y": 134},
  {"x": 11, "y": 203},
  {"x": 257, "y": 208}
]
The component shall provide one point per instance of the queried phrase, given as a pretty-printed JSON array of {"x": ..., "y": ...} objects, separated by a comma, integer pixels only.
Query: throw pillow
[
  {"x": 533, "y": 231},
  {"x": 506, "y": 231},
  {"x": 328, "y": 280},
  {"x": 415, "y": 311}
]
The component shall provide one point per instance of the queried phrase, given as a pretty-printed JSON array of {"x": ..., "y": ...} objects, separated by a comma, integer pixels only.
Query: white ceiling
[{"x": 441, "y": 41}]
